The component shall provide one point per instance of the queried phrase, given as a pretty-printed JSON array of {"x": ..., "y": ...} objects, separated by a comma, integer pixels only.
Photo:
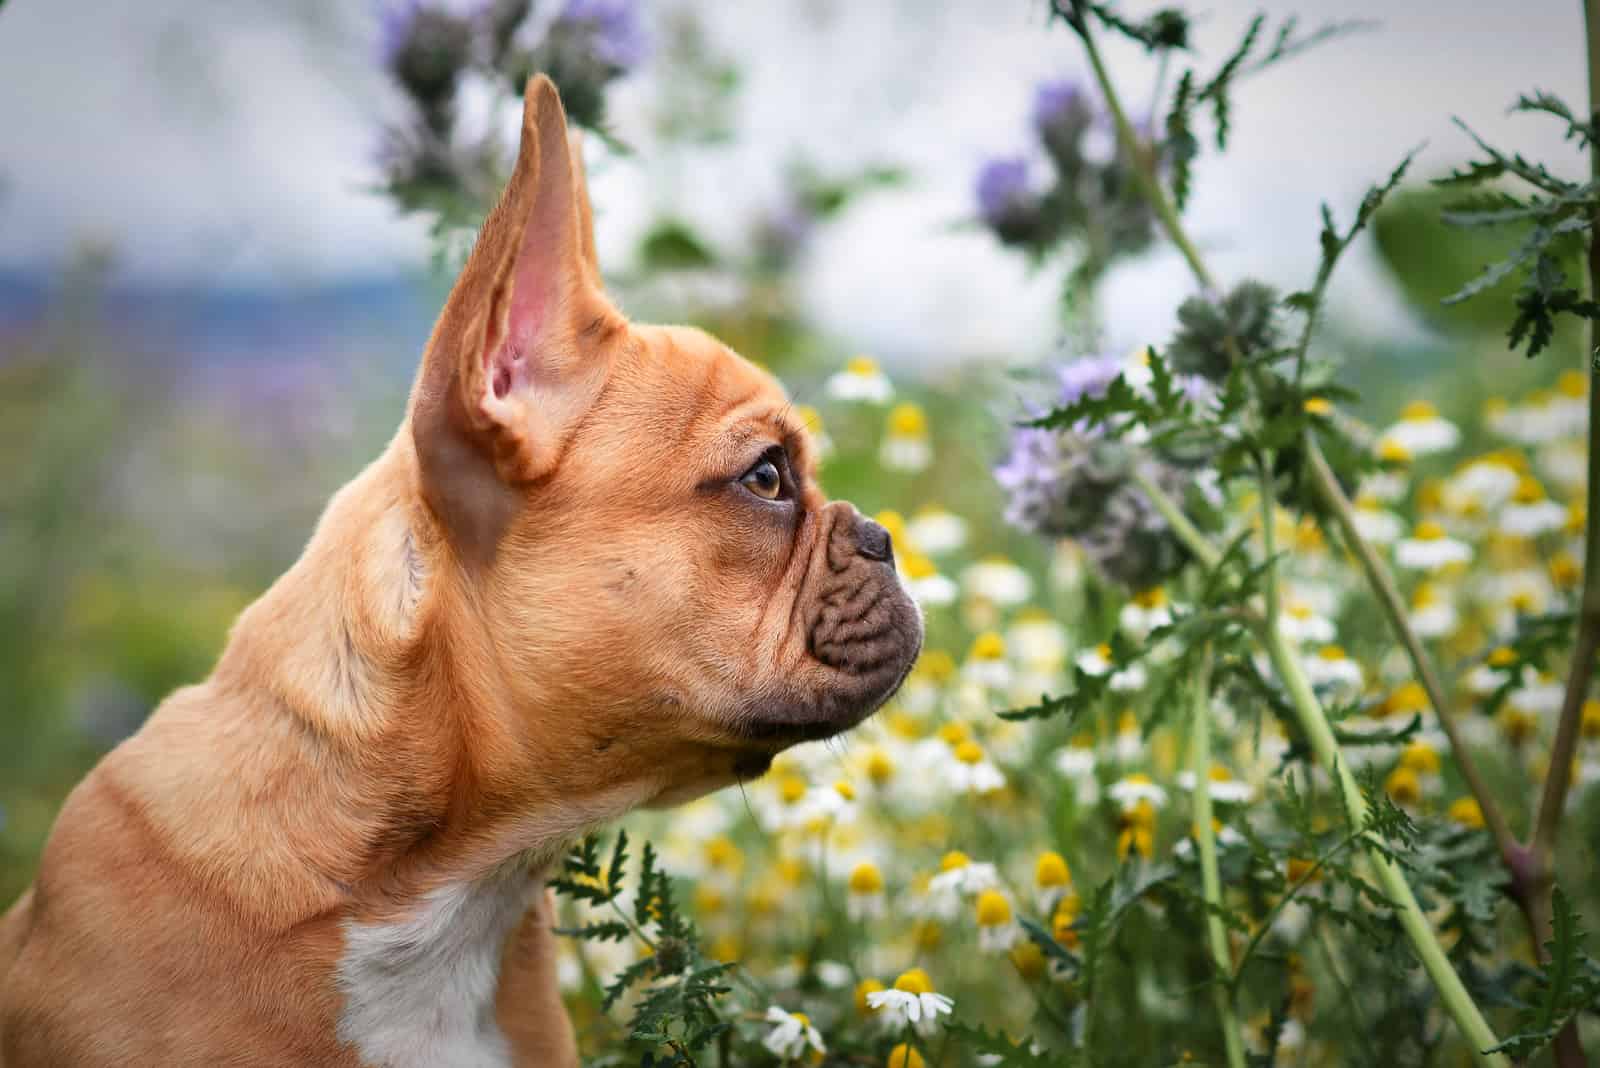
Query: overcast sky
[{"x": 224, "y": 140}]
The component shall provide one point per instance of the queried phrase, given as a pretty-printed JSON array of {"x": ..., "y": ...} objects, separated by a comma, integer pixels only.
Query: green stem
[
  {"x": 1313, "y": 722},
  {"x": 1210, "y": 880},
  {"x": 1193, "y": 540},
  {"x": 1383, "y": 585}
]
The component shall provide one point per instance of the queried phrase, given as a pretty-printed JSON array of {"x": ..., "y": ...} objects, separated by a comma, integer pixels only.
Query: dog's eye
[{"x": 763, "y": 480}]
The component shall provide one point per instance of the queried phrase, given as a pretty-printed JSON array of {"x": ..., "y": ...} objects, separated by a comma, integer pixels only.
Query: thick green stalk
[
  {"x": 1383, "y": 585},
  {"x": 1210, "y": 880},
  {"x": 1314, "y": 725},
  {"x": 1313, "y": 722}
]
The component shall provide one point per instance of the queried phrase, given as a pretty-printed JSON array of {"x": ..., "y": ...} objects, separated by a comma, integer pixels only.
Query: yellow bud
[
  {"x": 866, "y": 879},
  {"x": 905, "y": 1056},
  {"x": 1318, "y": 406},
  {"x": 1465, "y": 811},
  {"x": 914, "y": 981},
  {"x": 1051, "y": 870},
  {"x": 993, "y": 909}
]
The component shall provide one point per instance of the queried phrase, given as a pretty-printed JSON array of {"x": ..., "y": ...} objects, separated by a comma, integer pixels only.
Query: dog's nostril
[{"x": 873, "y": 541}]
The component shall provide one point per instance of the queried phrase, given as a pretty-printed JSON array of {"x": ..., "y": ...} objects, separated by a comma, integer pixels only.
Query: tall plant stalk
[
  {"x": 1210, "y": 880},
  {"x": 1312, "y": 719}
]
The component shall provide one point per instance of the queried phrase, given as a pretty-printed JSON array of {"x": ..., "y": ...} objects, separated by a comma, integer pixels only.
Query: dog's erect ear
[{"x": 519, "y": 352}]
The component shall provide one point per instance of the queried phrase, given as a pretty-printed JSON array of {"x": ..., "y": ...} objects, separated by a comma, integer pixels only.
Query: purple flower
[
  {"x": 1058, "y": 103},
  {"x": 426, "y": 43},
  {"x": 1090, "y": 376},
  {"x": 1007, "y": 201},
  {"x": 619, "y": 39}
]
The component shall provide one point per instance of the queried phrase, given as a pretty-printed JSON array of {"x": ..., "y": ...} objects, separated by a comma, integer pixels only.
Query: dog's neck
[{"x": 345, "y": 725}]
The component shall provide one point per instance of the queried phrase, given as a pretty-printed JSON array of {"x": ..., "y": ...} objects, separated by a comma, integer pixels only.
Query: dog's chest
[{"x": 421, "y": 991}]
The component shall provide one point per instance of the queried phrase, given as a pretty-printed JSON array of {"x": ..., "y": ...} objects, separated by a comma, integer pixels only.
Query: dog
[{"x": 592, "y": 571}]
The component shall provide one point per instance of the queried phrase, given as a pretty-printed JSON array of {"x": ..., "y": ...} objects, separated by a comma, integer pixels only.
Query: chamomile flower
[
  {"x": 1530, "y": 513},
  {"x": 1566, "y": 463},
  {"x": 1130, "y": 791},
  {"x": 1052, "y": 880},
  {"x": 1493, "y": 673},
  {"x": 1096, "y": 661},
  {"x": 1568, "y": 407},
  {"x": 865, "y": 899},
  {"x": 1300, "y": 622},
  {"x": 791, "y": 1035},
  {"x": 1541, "y": 695},
  {"x": 972, "y": 771},
  {"x": 960, "y": 875},
  {"x": 935, "y": 531},
  {"x": 1483, "y": 484},
  {"x": 986, "y": 662},
  {"x": 906, "y": 445},
  {"x": 1466, "y": 812},
  {"x": 1076, "y": 761},
  {"x": 1036, "y": 639},
  {"x": 998, "y": 580},
  {"x": 1430, "y": 548},
  {"x": 997, "y": 927},
  {"x": 1433, "y": 613},
  {"x": 1145, "y": 611},
  {"x": 905, "y": 1055},
  {"x": 924, "y": 582},
  {"x": 861, "y": 381},
  {"x": 1220, "y": 784},
  {"x": 1136, "y": 830},
  {"x": 1374, "y": 522},
  {"x": 911, "y": 1001},
  {"x": 1421, "y": 431},
  {"x": 1332, "y": 666},
  {"x": 1128, "y": 745}
]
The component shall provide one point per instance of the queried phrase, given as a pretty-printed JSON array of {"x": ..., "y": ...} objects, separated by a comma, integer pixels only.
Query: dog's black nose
[{"x": 872, "y": 541}]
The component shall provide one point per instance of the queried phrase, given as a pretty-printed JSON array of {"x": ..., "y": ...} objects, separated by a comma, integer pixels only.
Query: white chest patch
[{"x": 420, "y": 991}]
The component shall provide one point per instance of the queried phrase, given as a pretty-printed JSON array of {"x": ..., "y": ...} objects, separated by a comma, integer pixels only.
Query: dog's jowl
[{"x": 592, "y": 570}]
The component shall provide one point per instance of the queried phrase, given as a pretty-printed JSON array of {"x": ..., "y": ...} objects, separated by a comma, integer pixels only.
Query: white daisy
[
  {"x": 936, "y": 531},
  {"x": 1433, "y": 614},
  {"x": 1421, "y": 431},
  {"x": 1429, "y": 548},
  {"x": 1530, "y": 513},
  {"x": 791, "y": 1034},
  {"x": 1129, "y": 790},
  {"x": 998, "y": 580},
  {"x": 1220, "y": 784},
  {"x": 898, "y": 1008},
  {"x": 1331, "y": 667},
  {"x": 861, "y": 380}
]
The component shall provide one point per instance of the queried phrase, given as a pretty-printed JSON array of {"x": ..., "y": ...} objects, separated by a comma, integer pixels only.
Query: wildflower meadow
[{"x": 1256, "y": 721}]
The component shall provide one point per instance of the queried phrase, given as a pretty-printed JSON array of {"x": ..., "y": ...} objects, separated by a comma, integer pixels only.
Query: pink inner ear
[{"x": 508, "y": 368}]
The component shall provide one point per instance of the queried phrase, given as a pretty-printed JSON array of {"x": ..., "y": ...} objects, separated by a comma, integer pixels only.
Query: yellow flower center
[
  {"x": 1318, "y": 406},
  {"x": 1331, "y": 652},
  {"x": 863, "y": 366},
  {"x": 866, "y": 879},
  {"x": 1404, "y": 786},
  {"x": 1465, "y": 811},
  {"x": 908, "y": 421},
  {"x": 1028, "y": 959},
  {"x": 969, "y": 752},
  {"x": 1154, "y": 597},
  {"x": 914, "y": 981},
  {"x": 993, "y": 909},
  {"x": 988, "y": 646},
  {"x": 1528, "y": 490},
  {"x": 810, "y": 418},
  {"x": 1408, "y": 697},
  {"x": 879, "y": 768},
  {"x": 1573, "y": 384},
  {"x": 722, "y": 853},
  {"x": 1502, "y": 657},
  {"x": 936, "y": 665},
  {"x": 1051, "y": 870},
  {"x": 845, "y": 790},
  {"x": 1391, "y": 451},
  {"x": 1418, "y": 412},
  {"x": 1590, "y": 724},
  {"x": 863, "y": 988},
  {"x": 953, "y": 860},
  {"x": 918, "y": 566},
  {"x": 954, "y": 733},
  {"x": 1421, "y": 758},
  {"x": 1428, "y": 530},
  {"x": 1220, "y": 774},
  {"x": 905, "y": 1056},
  {"x": 894, "y": 523},
  {"x": 791, "y": 788}
]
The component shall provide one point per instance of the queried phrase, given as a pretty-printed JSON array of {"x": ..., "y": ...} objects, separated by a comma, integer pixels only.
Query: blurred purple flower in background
[
  {"x": 1007, "y": 201},
  {"x": 426, "y": 43},
  {"x": 619, "y": 38},
  {"x": 1075, "y": 483},
  {"x": 1061, "y": 113}
]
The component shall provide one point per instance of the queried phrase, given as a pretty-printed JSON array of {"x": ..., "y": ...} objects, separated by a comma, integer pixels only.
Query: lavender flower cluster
[
  {"x": 1077, "y": 483},
  {"x": 1091, "y": 197},
  {"x": 431, "y": 47}
]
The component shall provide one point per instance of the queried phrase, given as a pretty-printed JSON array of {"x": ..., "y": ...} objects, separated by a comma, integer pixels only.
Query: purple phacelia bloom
[
  {"x": 1007, "y": 201},
  {"x": 1075, "y": 483},
  {"x": 619, "y": 37},
  {"x": 1057, "y": 102}
]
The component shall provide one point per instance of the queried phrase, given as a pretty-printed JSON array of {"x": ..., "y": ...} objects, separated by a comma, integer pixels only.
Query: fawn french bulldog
[{"x": 592, "y": 571}]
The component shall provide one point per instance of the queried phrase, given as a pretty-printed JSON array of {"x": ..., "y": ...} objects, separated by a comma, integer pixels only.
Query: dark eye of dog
[{"x": 764, "y": 480}]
